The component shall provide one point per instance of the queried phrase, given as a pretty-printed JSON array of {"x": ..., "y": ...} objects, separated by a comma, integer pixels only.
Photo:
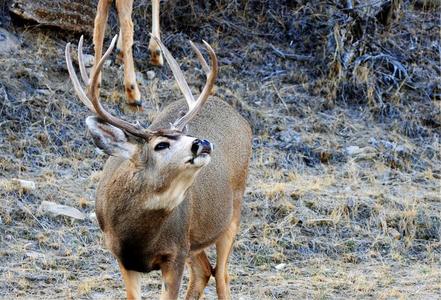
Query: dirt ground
[{"x": 344, "y": 194}]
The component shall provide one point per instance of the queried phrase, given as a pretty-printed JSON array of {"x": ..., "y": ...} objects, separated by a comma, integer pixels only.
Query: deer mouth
[
  {"x": 208, "y": 147},
  {"x": 201, "y": 159},
  {"x": 201, "y": 150}
]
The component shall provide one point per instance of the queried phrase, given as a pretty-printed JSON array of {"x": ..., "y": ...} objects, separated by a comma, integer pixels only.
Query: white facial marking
[
  {"x": 174, "y": 163},
  {"x": 201, "y": 160},
  {"x": 175, "y": 194}
]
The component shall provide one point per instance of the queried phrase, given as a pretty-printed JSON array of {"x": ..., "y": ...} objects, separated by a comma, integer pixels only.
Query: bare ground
[{"x": 343, "y": 197}]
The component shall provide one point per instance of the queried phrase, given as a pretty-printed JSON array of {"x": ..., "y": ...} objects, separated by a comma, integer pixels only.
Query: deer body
[
  {"x": 165, "y": 195},
  {"x": 203, "y": 215}
]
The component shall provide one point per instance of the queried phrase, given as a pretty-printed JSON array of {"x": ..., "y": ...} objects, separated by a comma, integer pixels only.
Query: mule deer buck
[
  {"x": 125, "y": 42},
  {"x": 165, "y": 195}
]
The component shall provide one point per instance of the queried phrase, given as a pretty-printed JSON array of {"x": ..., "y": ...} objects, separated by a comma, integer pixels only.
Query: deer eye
[{"x": 162, "y": 146}]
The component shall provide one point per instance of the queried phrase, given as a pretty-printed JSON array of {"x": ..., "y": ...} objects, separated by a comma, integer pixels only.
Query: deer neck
[{"x": 170, "y": 195}]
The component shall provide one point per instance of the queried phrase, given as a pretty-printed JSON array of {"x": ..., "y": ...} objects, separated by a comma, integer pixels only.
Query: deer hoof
[
  {"x": 156, "y": 57},
  {"x": 135, "y": 105},
  {"x": 119, "y": 58}
]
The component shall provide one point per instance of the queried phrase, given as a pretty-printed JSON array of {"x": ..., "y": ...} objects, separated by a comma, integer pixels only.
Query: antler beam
[
  {"x": 93, "y": 102},
  {"x": 194, "y": 106}
]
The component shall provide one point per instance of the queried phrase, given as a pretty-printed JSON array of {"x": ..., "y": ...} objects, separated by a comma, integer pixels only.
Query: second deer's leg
[
  {"x": 124, "y": 8},
  {"x": 200, "y": 273},
  {"x": 155, "y": 51},
  {"x": 132, "y": 283},
  {"x": 119, "y": 46},
  {"x": 171, "y": 279},
  {"x": 99, "y": 28}
]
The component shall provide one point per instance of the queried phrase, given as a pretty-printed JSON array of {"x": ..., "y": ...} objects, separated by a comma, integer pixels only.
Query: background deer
[
  {"x": 160, "y": 202},
  {"x": 125, "y": 42}
]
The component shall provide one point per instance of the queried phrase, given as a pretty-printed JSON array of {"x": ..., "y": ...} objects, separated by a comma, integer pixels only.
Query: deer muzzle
[{"x": 201, "y": 147}]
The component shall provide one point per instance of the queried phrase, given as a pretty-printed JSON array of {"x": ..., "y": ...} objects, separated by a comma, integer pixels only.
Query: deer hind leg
[
  {"x": 223, "y": 249},
  {"x": 99, "y": 28},
  {"x": 132, "y": 283},
  {"x": 155, "y": 52},
  {"x": 171, "y": 279},
  {"x": 124, "y": 8},
  {"x": 200, "y": 273}
]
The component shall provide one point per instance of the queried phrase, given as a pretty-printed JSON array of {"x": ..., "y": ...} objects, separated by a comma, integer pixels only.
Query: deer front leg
[
  {"x": 124, "y": 8},
  {"x": 99, "y": 28},
  {"x": 132, "y": 283},
  {"x": 171, "y": 279},
  {"x": 155, "y": 51}
]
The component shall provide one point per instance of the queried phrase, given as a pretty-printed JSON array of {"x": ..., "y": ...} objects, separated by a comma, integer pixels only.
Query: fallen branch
[{"x": 293, "y": 56}]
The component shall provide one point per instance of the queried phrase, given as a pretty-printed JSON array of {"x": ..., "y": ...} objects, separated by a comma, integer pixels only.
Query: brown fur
[{"x": 145, "y": 240}]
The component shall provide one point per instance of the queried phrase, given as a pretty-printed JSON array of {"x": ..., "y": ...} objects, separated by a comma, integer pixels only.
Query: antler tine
[
  {"x": 177, "y": 73},
  {"x": 93, "y": 83},
  {"x": 76, "y": 83},
  {"x": 102, "y": 113},
  {"x": 94, "y": 104},
  {"x": 201, "y": 59},
  {"x": 81, "y": 62},
  {"x": 194, "y": 106},
  {"x": 211, "y": 78}
]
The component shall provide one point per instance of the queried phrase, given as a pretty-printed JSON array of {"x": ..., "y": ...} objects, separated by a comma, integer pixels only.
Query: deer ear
[{"x": 110, "y": 139}]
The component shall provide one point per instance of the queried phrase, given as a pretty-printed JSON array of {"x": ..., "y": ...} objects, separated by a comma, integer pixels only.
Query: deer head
[{"x": 165, "y": 157}]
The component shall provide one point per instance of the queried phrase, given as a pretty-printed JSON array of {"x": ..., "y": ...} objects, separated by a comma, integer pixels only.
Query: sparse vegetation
[{"x": 344, "y": 194}]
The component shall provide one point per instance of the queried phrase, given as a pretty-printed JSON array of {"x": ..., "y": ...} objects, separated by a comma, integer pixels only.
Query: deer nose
[{"x": 201, "y": 146}]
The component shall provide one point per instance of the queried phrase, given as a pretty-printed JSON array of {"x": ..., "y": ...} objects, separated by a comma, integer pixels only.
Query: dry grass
[{"x": 343, "y": 199}]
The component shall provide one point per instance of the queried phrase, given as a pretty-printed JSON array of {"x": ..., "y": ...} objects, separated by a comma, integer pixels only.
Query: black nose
[
  {"x": 138, "y": 102},
  {"x": 201, "y": 146}
]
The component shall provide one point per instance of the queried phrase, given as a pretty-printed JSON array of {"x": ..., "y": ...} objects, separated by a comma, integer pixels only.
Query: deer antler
[
  {"x": 194, "y": 106},
  {"x": 81, "y": 62},
  {"x": 93, "y": 103},
  {"x": 201, "y": 59}
]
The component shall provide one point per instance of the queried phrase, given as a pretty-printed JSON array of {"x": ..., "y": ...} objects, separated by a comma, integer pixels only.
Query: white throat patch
[{"x": 172, "y": 197}]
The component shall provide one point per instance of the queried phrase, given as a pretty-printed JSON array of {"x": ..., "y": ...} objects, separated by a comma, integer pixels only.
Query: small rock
[
  {"x": 98, "y": 296},
  {"x": 8, "y": 42},
  {"x": 34, "y": 255},
  {"x": 59, "y": 209},
  {"x": 353, "y": 150},
  {"x": 69, "y": 15},
  {"x": 88, "y": 60},
  {"x": 92, "y": 217},
  {"x": 394, "y": 233},
  {"x": 280, "y": 267},
  {"x": 43, "y": 92},
  {"x": 151, "y": 75},
  {"x": 25, "y": 185},
  {"x": 140, "y": 78},
  {"x": 388, "y": 145},
  {"x": 350, "y": 202}
]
